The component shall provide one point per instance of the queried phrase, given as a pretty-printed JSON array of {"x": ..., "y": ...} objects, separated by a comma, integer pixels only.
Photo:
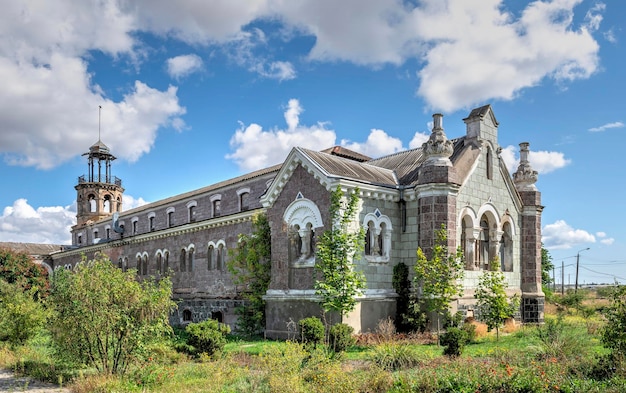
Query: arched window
[
  {"x": 107, "y": 204},
  {"x": 218, "y": 316},
  {"x": 244, "y": 198},
  {"x": 217, "y": 208},
  {"x": 220, "y": 257},
  {"x": 302, "y": 217},
  {"x": 138, "y": 264},
  {"x": 210, "y": 257},
  {"x": 93, "y": 206},
  {"x": 183, "y": 260},
  {"x": 190, "y": 253},
  {"x": 377, "y": 237},
  {"x": 120, "y": 263},
  {"x": 125, "y": 265},
  {"x": 166, "y": 261},
  {"x": 483, "y": 244},
  {"x": 506, "y": 248},
  {"x": 170, "y": 216},
  {"x": 187, "y": 317},
  {"x": 144, "y": 265},
  {"x": 159, "y": 263},
  {"x": 191, "y": 211},
  {"x": 489, "y": 163},
  {"x": 119, "y": 204}
]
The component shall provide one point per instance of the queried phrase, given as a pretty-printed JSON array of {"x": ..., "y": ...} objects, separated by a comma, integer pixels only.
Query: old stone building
[{"x": 461, "y": 183}]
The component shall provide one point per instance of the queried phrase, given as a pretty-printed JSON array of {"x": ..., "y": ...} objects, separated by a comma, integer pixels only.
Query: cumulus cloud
[
  {"x": 541, "y": 161},
  {"x": 255, "y": 148},
  {"x": 560, "y": 235},
  {"x": 23, "y": 223},
  {"x": 49, "y": 110},
  {"x": 183, "y": 65},
  {"x": 616, "y": 124},
  {"x": 378, "y": 144},
  {"x": 418, "y": 140},
  {"x": 604, "y": 239}
]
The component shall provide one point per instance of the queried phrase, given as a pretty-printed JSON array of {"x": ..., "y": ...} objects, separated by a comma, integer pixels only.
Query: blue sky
[{"x": 197, "y": 92}]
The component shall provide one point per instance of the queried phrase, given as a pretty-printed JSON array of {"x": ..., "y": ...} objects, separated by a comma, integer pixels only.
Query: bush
[
  {"x": 207, "y": 336},
  {"x": 559, "y": 340},
  {"x": 614, "y": 332},
  {"x": 340, "y": 337},
  {"x": 454, "y": 340},
  {"x": 312, "y": 330},
  {"x": 394, "y": 356},
  {"x": 21, "y": 316}
]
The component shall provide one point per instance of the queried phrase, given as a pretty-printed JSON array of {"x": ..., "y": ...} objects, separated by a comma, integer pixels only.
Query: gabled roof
[{"x": 481, "y": 112}]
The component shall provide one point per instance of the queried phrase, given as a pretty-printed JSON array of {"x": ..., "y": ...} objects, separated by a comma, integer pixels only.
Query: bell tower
[{"x": 98, "y": 193}]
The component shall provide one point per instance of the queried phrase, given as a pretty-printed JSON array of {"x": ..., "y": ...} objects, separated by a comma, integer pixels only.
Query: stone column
[{"x": 533, "y": 298}]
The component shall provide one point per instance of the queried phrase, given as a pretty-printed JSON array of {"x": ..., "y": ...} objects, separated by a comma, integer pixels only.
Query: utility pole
[
  {"x": 562, "y": 279},
  {"x": 577, "y": 263}
]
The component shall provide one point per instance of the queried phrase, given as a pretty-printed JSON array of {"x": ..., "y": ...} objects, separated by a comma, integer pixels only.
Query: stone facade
[{"x": 461, "y": 183}]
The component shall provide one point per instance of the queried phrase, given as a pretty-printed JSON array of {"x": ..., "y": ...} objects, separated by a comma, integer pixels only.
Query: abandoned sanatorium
[{"x": 461, "y": 183}]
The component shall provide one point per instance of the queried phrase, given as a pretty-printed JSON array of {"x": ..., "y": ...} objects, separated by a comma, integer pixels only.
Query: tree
[
  {"x": 493, "y": 304},
  {"x": 22, "y": 316},
  {"x": 104, "y": 317},
  {"x": 18, "y": 268},
  {"x": 546, "y": 266},
  {"x": 439, "y": 279},
  {"x": 614, "y": 331},
  {"x": 251, "y": 268},
  {"x": 340, "y": 283}
]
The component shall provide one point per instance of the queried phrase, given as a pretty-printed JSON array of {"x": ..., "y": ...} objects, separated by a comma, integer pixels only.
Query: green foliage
[
  {"x": 614, "y": 332},
  {"x": 558, "y": 340},
  {"x": 546, "y": 266},
  {"x": 392, "y": 356},
  {"x": 572, "y": 299},
  {"x": 18, "y": 268},
  {"x": 454, "y": 340},
  {"x": 207, "y": 336},
  {"x": 312, "y": 330},
  {"x": 21, "y": 316},
  {"x": 104, "y": 317},
  {"x": 250, "y": 265},
  {"x": 336, "y": 248},
  {"x": 340, "y": 337},
  {"x": 439, "y": 278},
  {"x": 402, "y": 286},
  {"x": 494, "y": 305}
]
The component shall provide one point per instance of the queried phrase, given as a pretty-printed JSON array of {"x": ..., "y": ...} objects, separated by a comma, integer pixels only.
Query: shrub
[
  {"x": 394, "y": 356},
  {"x": 558, "y": 340},
  {"x": 21, "y": 316},
  {"x": 454, "y": 340},
  {"x": 340, "y": 337},
  {"x": 207, "y": 336},
  {"x": 312, "y": 330},
  {"x": 614, "y": 332}
]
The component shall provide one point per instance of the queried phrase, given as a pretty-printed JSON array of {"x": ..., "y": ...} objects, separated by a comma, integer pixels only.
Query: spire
[
  {"x": 525, "y": 177},
  {"x": 438, "y": 148}
]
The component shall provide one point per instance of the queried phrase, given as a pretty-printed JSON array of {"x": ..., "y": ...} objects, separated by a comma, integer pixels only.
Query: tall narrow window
[
  {"x": 483, "y": 244},
  {"x": 92, "y": 203},
  {"x": 134, "y": 227},
  {"x": 120, "y": 263},
  {"x": 108, "y": 231},
  {"x": 244, "y": 200},
  {"x": 138, "y": 264},
  {"x": 144, "y": 265},
  {"x": 190, "y": 259},
  {"x": 210, "y": 258},
  {"x": 170, "y": 218},
  {"x": 217, "y": 208},
  {"x": 166, "y": 261},
  {"x": 489, "y": 164},
  {"x": 183, "y": 260},
  {"x": 220, "y": 257},
  {"x": 151, "y": 223},
  {"x": 159, "y": 263},
  {"x": 107, "y": 204},
  {"x": 192, "y": 212}
]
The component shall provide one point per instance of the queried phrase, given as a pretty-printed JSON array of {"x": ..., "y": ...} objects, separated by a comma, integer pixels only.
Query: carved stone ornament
[
  {"x": 438, "y": 148},
  {"x": 525, "y": 177}
]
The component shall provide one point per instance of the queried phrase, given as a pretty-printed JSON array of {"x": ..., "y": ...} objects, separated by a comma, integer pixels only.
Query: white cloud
[
  {"x": 183, "y": 65},
  {"x": 280, "y": 70},
  {"x": 616, "y": 124},
  {"x": 418, "y": 140},
  {"x": 378, "y": 144},
  {"x": 603, "y": 239},
  {"x": 541, "y": 161},
  {"x": 560, "y": 235},
  {"x": 255, "y": 148},
  {"x": 49, "y": 110},
  {"x": 23, "y": 223}
]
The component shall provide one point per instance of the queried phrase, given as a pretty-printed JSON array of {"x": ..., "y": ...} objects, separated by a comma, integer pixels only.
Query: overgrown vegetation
[
  {"x": 18, "y": 268},
  {"x": 250, "y": 266},
  {"x": 438, "y": 280},
  {"x": 493, "y": 303},
  {"x": 103, "y": 317},
  {"x": 340, "y": 282}
]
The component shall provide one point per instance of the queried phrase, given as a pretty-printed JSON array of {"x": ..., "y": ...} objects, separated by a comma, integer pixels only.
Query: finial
[
  {"x": 438, "y": 148},
  {"x": 525, "y": 177},
  {"x": 99, "y": 120}
]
